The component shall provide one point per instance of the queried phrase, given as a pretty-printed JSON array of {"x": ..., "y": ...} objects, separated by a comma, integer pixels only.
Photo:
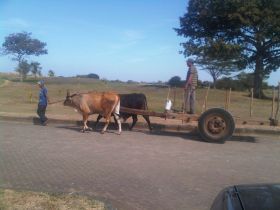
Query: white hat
[
  {"x": 190, "y": 60},
  {"x": 41, "y": 82}
]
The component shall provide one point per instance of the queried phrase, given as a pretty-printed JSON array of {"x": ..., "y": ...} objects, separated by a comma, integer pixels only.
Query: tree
[
  {"x": 245, "y": 32},
  {"x": 51, "y": 73},
  {"x": 39, "y": 73},
  {"x": 35, "y": 69},
  {"x": 91, "y": 75},
  {"x": 21, "y": 45},
  {"x": 217, "y": 68},
  {"x": 23, "y": 68},
  {"x": 175, "y": 81},
  {"x": 247, "y": 80}
]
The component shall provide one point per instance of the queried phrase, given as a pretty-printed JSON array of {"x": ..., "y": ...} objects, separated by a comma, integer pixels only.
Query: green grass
[
  {"x": 24, "y": 200},
  {"x": 19, "y": 97}
]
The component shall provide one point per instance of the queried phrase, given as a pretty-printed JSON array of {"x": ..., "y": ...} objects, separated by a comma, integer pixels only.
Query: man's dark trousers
[{"x": 41, "y": 113}]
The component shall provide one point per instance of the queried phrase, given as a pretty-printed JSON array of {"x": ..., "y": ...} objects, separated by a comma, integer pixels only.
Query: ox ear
[{"x": 68, "y": 93}]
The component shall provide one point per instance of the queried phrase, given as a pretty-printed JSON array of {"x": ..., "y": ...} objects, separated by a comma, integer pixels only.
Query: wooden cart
[{"x": 214, "y": 125}]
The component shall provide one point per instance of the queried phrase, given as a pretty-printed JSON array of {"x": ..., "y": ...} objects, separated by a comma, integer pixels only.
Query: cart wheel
[{"x": 216, "y": 125}]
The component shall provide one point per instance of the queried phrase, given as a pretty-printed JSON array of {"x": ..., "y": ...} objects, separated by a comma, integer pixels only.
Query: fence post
[
  {"x": 278, "y": 101},
  {"x": 30, "y": 98},
  {"x": 251, "y": 102},
  {"x": 204, "y": 106},
  {"x": 183, "y": 101},
  {"x": 229, "y": 95},
  {"x": 272, "y": 105},
  {"x": 226, "y": 100},
  {"x": 174, "y": 96},
  {"x": 184, "y": 104},
  {"x": 167, "y": 98}
]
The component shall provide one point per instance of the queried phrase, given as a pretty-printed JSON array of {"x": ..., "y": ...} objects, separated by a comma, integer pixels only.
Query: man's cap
[
  {"x": 190, "y": 60},
  {"x": 41, "y": 82}
]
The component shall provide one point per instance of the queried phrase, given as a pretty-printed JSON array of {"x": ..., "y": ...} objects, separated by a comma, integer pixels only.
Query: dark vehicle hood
[
  {"x": 248, "y": 197},
  {"x": 255, "y": 197}
]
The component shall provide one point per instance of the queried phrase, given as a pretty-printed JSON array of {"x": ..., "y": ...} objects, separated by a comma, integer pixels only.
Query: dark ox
[
  {"x": 133, "y": 101},
  {"x": 104, "y": 104}
]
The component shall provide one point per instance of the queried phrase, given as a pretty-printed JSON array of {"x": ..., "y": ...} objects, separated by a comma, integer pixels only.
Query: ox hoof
[
  {"x": 102, "y": 132},
  {"x": 90, "y": 129},
  {"x": 82, "y": 130},
  {"x": 119, "y": 133}
]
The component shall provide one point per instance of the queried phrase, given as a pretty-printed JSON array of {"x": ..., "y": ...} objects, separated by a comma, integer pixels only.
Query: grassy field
[
  {"x": 20, "y": 97},
  {"x": 24, "y": 200}
]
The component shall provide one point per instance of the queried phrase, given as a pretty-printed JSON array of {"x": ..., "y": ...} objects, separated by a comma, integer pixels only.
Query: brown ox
[{"x": 105, "y": 104}]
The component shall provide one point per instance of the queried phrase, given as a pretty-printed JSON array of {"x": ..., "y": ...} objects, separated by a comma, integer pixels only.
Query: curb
[{"x": 156, "y": 126}]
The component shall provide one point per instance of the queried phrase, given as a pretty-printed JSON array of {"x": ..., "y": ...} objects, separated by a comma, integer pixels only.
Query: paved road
[{"x": 137, "y": 170}]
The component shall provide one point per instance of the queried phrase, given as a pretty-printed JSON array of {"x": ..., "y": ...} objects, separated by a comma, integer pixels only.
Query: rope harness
[{"x": 55, "y": 102}]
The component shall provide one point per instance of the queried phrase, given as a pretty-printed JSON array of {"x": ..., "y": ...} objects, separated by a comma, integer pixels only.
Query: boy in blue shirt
[{"x": 43, "y": 102}]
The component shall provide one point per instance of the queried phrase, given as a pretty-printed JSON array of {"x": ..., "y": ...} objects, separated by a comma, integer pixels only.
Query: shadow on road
[
  {"x": 249, "y": 139},
  {"x": 193, "y": 136},
  {"x": 112, "y": 128}
]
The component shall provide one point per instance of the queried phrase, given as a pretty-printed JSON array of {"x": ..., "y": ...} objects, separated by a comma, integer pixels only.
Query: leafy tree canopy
[
  {"x": 20, "y": 45},
  {"x": 244, "y": 32},
  {"x": 175, "y": 81},
  {"x": 51, "y": 73}
]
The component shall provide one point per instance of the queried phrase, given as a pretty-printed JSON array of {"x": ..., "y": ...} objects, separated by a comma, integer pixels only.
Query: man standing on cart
[{"x": 190, "y": 86}]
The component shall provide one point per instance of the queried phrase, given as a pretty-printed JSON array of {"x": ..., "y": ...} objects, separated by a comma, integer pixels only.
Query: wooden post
[
  {"x": 272, "y": 105},
  {"x": 183, "y": 102},
  {"x": 278, "y": 101},
  {"x": 251, "y": 102},
  {"x": 174, "y": 96},
  {"x": 229, "y": 95},
  {"x": 226, "y": 100},
  {"x": 204, "y": 107},
  {"x": 78, "y": 78},
  {"x": 30, "y": 97},
  {"x": 168, "y": 94}
]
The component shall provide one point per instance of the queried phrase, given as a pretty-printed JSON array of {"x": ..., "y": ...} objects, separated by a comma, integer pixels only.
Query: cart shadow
[
  {"x": 191, "y": 135},
  {"x": 194, "y": 136},
  {"x": 245, "y": 138}
]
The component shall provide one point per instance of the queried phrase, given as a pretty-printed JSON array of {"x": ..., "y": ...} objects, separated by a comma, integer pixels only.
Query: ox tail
[
  {"x": 117, "y": 107},
  {"x": 117, "y": 112}
]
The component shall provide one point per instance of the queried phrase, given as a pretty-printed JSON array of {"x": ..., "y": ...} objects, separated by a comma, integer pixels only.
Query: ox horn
[{"x": 68, "y": 93}]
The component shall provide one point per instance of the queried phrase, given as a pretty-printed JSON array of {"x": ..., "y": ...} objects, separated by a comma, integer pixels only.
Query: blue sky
[{"x": 125, "y": 39}]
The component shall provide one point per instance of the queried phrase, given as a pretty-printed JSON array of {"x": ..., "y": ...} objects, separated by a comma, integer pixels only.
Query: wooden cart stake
[
  {"x": 204, "y": 107},
  {"x": 251, "y": 102},
  {"x": 272, "y": 105},
  {"x": 278, "y": 101}
]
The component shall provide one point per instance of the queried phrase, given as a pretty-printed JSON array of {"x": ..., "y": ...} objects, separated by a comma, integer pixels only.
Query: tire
[{"x": 216, "y": 125}]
